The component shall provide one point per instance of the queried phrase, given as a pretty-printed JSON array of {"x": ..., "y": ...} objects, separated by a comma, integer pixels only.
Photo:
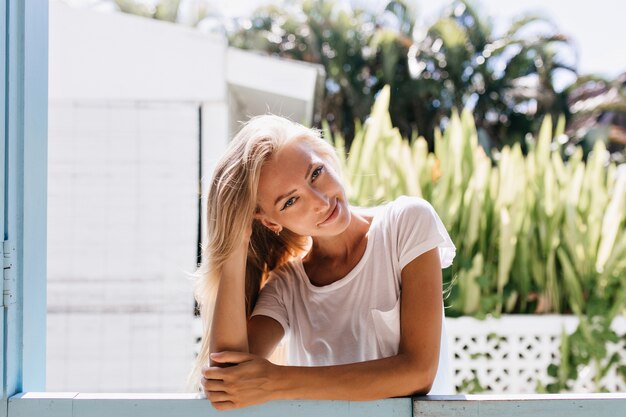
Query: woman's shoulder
[
  {"x": 395, "y": 210},
  {"x": 414, "y": 203},
  {"x": 286, "y": 274}
]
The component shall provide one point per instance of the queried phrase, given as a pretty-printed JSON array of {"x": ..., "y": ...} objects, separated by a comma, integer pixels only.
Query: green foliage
[
  {"x": 455, "y": 62},
  {"x": 326, "y": 33},
  {"x": 472, "y": 385},
  {"x": 598, "y": 108},
  {"x": 534, "y": 234},
  {"x": 586, "y": 347},
  {"x": 163, "y": 9}
]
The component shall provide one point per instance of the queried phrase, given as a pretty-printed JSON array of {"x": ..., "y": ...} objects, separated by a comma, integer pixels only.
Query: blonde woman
[{"x": 358, "y": 292}]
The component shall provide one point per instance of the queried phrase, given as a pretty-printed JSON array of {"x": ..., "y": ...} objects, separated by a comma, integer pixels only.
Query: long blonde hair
[{"x": 231, "y": 204}]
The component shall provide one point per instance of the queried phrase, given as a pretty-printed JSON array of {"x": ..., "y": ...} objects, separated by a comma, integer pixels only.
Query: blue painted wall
[
  {"x": 3, "y": 94},
  {"x": 24, "y": 128},
  {"x": 35, "y": 139}
]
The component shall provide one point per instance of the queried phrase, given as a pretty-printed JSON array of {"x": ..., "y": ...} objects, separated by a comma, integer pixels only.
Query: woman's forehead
[{"x": 293, "y": 153}]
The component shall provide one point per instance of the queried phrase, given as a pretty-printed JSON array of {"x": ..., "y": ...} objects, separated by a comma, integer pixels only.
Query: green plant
[
  {"x": 586, "y": 347},
  {"x": 456, "y": 61},
  {"x": 162, "y": 10},
  {"x": 598, "y": 112},
  {"x": 534, "y": 234}
]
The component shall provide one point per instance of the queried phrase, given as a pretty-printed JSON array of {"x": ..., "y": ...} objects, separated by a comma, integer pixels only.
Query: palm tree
[
  {"x": 322, "y": 32},
  {"x": 508, "y": 81},
  {"x": 457, "y": 62},
  {"x": 598, "y": 112}
]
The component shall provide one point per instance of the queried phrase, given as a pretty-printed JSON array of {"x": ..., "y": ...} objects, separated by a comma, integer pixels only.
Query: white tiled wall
[{"x": 122, "y": 229}]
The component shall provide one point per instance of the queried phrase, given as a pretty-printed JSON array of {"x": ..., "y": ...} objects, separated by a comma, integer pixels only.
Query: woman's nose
[{"x": 321, "y": 202}]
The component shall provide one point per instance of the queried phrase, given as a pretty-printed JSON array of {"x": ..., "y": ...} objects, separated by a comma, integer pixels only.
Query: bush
[{"x": 534, "y": 234}]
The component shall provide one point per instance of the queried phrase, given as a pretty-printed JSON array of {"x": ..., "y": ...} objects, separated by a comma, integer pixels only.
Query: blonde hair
[{"x": 231, "y": 204}]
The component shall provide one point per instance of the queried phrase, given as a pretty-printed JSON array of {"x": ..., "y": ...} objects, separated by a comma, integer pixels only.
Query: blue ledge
[{"x": 73, "y": 404}]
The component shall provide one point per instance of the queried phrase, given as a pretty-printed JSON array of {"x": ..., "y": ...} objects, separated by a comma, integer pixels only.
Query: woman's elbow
[
  {"x": 422, "y": 391},
  {"x": 422, "y": 377},
  {"x": 422, "y": 386}
]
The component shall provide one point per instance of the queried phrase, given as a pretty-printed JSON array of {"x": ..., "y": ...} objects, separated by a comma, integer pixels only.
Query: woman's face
[{"x": 299, "y": 191}]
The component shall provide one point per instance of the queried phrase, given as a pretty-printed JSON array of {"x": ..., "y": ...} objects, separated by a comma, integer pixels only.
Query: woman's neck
[{"x": 340, "y": 248}]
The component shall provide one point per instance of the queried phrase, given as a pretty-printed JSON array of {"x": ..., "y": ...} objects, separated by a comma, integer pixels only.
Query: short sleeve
[
  {"x": 270, "y": 302},
  {"x": 419, "y": 230}
]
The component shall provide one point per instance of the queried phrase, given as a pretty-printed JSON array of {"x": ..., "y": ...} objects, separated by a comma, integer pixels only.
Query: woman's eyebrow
[
  {"x": 280, "y": 197},
  {"x": 306, "y": 176}
]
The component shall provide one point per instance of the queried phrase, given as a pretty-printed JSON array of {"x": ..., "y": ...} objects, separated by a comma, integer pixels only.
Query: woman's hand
[{"x": 249, "y": 380}]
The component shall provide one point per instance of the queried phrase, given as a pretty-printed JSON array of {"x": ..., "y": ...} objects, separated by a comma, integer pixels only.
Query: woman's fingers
[
  {"x": 247, "y": 382},
  {"x": 214, "y": 392},
  {"x": 214, "y": 372},
  {"x": 218, "y": 396},
  {"x": 212, "y": 384},
  {"x": 223, "y": 405}
]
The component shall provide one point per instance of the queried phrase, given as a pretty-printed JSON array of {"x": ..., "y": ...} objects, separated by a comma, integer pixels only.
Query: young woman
[{"x": 358, "y": 292}]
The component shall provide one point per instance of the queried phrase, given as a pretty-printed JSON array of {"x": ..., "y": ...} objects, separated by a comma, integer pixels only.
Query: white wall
[
  {"x": 117, "y": 56},
  {"x": 124, "y": 153},
  {"x": 127, "y": 98},
  {"x": 122, "y": 227}
]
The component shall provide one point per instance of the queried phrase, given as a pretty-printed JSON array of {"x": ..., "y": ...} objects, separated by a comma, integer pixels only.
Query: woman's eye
[
  {"x": 316, "y": 173},
  {"x": 289, "y": 202}
]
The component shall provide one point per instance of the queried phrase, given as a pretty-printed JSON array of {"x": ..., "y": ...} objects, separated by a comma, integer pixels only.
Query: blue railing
[{"x": 75, "y": 404}]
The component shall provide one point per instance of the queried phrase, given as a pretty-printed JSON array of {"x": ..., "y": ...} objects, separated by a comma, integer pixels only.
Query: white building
[{"x": 138, "y": 110}]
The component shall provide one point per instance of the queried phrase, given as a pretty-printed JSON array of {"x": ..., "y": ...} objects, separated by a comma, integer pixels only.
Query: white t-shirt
[{"x": 357, "y": 318}]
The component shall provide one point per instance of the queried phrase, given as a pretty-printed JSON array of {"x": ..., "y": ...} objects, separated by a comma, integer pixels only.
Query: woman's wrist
[
  {"x": 285, "y": 386},
  {"x": 235, "y": 265}
]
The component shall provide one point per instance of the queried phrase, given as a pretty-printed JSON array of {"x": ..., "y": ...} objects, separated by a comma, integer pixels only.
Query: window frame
[
  {"x": 24, "y": 123},
  {"x": 25, "y": 107}
]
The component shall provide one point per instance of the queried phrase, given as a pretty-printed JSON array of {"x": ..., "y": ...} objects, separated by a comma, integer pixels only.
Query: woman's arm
[
  {"x": 412, "y": 371},
  {"x": 264, "y": 334},
  {"x": 229, "y": 330},
  {"x": 228, "y": 327}
]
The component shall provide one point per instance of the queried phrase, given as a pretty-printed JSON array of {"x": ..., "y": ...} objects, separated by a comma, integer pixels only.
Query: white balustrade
[{"x": 511, "y": 354}]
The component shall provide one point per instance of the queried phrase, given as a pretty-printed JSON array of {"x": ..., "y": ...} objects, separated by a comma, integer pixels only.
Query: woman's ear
[{"x": 265, "y": 221}]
